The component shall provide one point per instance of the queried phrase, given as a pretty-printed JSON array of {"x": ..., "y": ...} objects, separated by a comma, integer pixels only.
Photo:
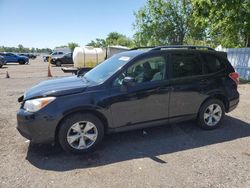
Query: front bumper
[{"x": 37, "y": 127}]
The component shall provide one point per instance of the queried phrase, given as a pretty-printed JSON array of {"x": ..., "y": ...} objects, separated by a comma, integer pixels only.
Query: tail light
[{"x": 235, "y": 77}]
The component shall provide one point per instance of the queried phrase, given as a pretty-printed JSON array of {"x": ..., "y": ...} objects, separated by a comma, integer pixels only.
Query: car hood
[{"x": 57, "y": 87}]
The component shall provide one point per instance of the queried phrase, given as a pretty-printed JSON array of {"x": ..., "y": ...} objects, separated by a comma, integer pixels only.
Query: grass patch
[{"x": 244, "y": 81}]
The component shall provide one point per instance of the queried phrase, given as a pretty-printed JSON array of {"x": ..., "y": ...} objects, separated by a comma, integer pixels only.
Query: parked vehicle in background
[
  {"x": 46, "y": 57},
  {"x": 131, "y": 90},
  {"x": 60, "y": 60},
  {"x": 87, "y": 57},
  {"x": 29, "y": 55},
  {"x": 32, "y": 56},
  {"x": 2, "y": 61},
  {"x": 13, "y": 58}
]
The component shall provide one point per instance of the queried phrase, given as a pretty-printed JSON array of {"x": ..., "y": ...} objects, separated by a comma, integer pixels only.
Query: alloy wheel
[
  {"x": 82, "y": 135},
  {"x": 212, "y": 114}
]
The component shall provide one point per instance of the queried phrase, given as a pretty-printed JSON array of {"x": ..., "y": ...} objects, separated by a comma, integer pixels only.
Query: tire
[
  {"x": 71, "y": 134},
  {"x": 21, "y": 62},
  {"x": 211, "y": 114},
  {"x": 58, "y": 63}
]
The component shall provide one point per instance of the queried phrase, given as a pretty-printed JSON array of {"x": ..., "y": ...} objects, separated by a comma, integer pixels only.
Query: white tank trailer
[{"x": 87, "y": 57}]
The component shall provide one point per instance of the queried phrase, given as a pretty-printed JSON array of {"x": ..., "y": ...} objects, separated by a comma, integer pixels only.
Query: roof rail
[
  {"x": 142, "y": 47},
  {"x": 183, "y": 47}
]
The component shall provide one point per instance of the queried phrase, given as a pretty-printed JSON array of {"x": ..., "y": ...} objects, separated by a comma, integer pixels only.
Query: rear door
[{"x": 188, "y": 84}]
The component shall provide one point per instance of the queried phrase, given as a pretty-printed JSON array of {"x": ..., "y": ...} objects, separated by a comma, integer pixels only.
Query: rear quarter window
[{"x": 212, "y": 63}]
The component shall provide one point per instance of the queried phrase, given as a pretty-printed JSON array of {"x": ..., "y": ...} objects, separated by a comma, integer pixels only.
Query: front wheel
[
  {"x": 80, "y": 133},
  {"x": 211, "y": 114},
  {"x": 21, "y": 62}
]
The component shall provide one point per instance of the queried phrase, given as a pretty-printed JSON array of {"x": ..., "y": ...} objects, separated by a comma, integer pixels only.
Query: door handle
[
  {"x": 204, "y": 81},
  {"x": 163, "y": 89}
]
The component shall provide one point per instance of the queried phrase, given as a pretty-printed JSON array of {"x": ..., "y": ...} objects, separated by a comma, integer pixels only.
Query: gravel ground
[{"x": 180, "y": 155}]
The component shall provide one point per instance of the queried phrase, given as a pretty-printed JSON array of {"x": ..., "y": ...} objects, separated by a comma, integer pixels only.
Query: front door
[{"x": 148, "y": 99}]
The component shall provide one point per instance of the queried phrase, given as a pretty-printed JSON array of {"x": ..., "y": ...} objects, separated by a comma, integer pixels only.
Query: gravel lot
[{"x": 180, "y": 155}]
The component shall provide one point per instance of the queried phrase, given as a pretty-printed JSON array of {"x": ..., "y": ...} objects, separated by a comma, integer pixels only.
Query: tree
[
  {"x": 113, "y": 38},
  {"x": 226, "y": 22},
  {"x": 20, "y": 48},
  {"x": 98, "y": 43},
  {"x": 72, "y": 46},
  {"x": 162, "y": 22}
]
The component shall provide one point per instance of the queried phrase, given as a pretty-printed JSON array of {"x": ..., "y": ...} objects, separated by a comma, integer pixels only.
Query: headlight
[{"x": 36, "y": 104}]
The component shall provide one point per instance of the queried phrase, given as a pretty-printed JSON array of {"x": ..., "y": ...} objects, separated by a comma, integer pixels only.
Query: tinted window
[
  {"x": 212, "y": 63},
  {"x": 68, "y": 55},
  {"x": 186, "y": 65},
  {"x": 146, "y": 70}
]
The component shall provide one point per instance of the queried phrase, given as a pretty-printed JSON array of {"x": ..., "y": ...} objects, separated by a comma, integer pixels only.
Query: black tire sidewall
[
  {"x": 21, "y": 62},
  {"x": 72, "y": 119},
  {"x": 201, "y": 120},
  {"x": 58, "y": 63}
]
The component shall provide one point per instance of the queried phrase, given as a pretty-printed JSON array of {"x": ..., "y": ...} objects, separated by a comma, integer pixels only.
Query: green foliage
[
  {"x": 98, "y": 43},
  {"x": 198, "y": 22},
  {"x": 226, "y": 22},
  {"x": 162, "y": 22},
  {"x": 244, "y": 81},
  {"x": 113, "y": 38},
  {"x": 72, "y": 46},
  {"x": 21, "y": 49}
]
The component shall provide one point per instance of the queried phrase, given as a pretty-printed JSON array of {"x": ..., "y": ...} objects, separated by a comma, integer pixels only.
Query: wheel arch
[
  {"x": 220, "y": 97},
  {"x": 94, "y": 112}
]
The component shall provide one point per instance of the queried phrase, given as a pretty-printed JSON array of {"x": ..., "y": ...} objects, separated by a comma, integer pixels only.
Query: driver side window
[{"x": 145, "y": 70}]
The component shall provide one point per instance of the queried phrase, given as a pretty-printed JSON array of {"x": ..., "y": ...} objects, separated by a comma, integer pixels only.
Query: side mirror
[{"x": 128, "y": 81}]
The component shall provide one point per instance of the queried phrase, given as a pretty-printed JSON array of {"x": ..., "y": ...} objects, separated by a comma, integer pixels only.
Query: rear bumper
[{"x": 233, "y": 104}]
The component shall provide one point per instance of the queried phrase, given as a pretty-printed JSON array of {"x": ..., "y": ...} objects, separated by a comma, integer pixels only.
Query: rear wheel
[
  {"x": 58, "y": 63},
  {"x": 80, "y": 133},
  {"x": 211, "y": 114}
]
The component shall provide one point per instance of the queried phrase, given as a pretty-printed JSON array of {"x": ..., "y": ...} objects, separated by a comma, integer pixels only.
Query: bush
[{"x": 244, "y": 81}]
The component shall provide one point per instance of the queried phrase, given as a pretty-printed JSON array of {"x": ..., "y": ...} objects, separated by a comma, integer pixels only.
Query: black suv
[
  {"x": 59, "y": 60},
  {"x": 130, "y": 90}
]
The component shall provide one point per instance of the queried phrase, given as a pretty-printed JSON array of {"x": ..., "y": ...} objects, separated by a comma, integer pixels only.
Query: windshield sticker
[{"x": 124, "y": 58}]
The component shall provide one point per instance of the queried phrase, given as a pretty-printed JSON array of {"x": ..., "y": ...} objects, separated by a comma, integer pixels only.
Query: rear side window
[
  {"x": 187, "y": 64},
  {"x": 212, "y": 63}
]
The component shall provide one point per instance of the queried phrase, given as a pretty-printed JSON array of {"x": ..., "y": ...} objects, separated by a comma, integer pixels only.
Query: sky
[{"x": 51, "y": 23}]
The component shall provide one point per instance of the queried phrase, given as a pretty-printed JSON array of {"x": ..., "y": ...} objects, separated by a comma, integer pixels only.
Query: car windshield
[{"x": 106, "y": 69}]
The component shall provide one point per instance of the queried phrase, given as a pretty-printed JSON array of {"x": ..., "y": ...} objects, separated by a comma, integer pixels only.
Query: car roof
[
  {"x": 175, "y": 48},
  {"x": 132, "y": 53}
]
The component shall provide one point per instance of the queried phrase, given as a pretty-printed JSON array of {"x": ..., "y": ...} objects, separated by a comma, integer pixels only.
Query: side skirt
[{"x": 152, "y": 123}]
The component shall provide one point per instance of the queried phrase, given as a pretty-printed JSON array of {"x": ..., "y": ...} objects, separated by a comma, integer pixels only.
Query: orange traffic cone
[
  {"x": 49, "y": 72},
  {"x": 7, "y": 74}
]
